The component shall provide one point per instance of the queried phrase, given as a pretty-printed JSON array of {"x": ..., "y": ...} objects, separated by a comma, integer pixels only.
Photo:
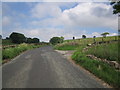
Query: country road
[{"x": 45, "y": 68}]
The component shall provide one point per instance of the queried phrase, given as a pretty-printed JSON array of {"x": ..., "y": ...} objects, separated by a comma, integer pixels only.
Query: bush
[
  {"x": 17, "y": 38},
  {"x": 56, "y": 40}
]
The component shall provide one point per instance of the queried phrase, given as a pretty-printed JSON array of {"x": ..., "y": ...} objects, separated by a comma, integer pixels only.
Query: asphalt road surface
[{"x": 45, "y": 68}]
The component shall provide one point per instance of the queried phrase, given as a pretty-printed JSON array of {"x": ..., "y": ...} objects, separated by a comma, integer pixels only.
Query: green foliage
[
  {"x": 7, "y": 42},
  {"x": 56, "y": 40},
  {"x": 66, "y": 47},
  {"x": 107, "y": 51},
  {"x": 116, "y": 7},
  {"x": 29, "y": 40},
  {"x": 83, "y": 36},
  {"x": 17, "y": 38},
  {"x": 12, "y": 52},
  {"x": 105, "y": 34},
  {"x": 99, "y": 68},
  {"x": 35, "y": 40},
  {"x": 0, "y": 36}
]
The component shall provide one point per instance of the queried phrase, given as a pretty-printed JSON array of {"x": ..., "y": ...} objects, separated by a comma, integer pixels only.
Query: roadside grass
[
  {"x": 105, "y": 51},
  {"x": 10, "y": 53},
  {"x": 99, "y": 68},
  {"x": 74, "y": 44},
  {"x": 67, "y": 46}
]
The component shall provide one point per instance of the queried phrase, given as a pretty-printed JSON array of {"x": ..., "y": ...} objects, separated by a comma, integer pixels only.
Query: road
[{"x": 45, "y": 68}]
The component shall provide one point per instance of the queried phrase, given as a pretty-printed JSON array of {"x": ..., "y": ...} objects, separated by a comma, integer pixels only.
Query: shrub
[{"x": 56, "y": 40}]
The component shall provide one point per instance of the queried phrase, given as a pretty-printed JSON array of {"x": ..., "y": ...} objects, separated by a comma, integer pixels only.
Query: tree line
[{"x": 20, "y": 38}]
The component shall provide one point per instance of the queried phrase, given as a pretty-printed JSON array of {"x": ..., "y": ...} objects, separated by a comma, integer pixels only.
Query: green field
[
  {"x": 91, "y": 40},
  {"x": 82, "y": 42}
]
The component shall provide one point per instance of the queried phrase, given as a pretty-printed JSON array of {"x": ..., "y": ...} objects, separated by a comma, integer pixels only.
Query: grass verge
[
  {"x": 98, "y": 68},
  {"x": 67, "y": 47},
  {"x": 10, "y": 53}
]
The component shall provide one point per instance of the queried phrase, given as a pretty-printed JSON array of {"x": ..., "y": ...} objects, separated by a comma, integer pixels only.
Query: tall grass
[
  {"x": 99, "y": 68},
  {"x": 12, "y": 52},
  {"x": 107, "y": 51}
]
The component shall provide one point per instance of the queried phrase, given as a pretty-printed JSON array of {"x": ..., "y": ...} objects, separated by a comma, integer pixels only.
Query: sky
[{"x": 45, "y": 20}]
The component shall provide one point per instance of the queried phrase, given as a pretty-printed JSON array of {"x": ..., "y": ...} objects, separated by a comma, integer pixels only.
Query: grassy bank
[
  {"x": 98, "y": 68},
  {"x": 105, "y": 51},
  {"x": 74, "y": 44},
  {"x": 91, "y": 40},
  {"x": 67, "y": 46},
  {"x": 10, "y": 53}
]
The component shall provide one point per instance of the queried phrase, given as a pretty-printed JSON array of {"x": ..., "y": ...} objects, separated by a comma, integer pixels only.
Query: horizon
[{"x": 67, "y": 19}]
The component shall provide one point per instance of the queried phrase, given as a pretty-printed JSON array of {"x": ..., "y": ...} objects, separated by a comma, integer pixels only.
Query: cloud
[
  {"x": 47, "y": 20},
  {"x": 44, "y": 10},
  {"x": 96, "y": 34},
  {"x": 83, "y": 15},
  {"x": 113, "y": 34},
  {"x": 6, "y": 20}
]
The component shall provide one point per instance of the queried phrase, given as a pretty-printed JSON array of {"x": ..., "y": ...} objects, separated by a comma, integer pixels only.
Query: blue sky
[{"x": 49, "y": 19}]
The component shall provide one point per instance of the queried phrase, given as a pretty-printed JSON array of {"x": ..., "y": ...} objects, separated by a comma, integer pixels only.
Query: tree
[
  {"x": 17, "y": 37},
  {"x": 35, "y": 40},
  {"x": 62, "y": 39},
  {"x": 55, "y": 40},
  {"x": 73, "y": 38},
  {"x": 116, "y": 10},
  {"x": 0, "y": 36},
  {"x": 105, "y": 34},
  {"x": 116, "y": 6},
  {"x": 29, "y": 40},
  {"x": 83, "y": 36},
  {"x": 7, "y": 38},
  {"x": 94, "y": 38}
]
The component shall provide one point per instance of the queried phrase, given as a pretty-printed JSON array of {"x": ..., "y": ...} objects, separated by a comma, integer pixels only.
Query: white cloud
[
  {"x": 113, "y": 34},
  {"x": 83, "y": 15},
  {"x": 55, "y": 1},
  {"x": 44, "y": 10},
  {"x": 6, "y": 20},
  {"x": 96, "y": 34}
]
